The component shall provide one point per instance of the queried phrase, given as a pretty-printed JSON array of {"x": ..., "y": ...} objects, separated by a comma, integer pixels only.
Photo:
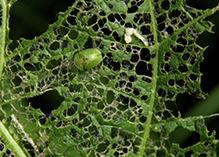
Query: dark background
[{"x": 30, "y": 18}]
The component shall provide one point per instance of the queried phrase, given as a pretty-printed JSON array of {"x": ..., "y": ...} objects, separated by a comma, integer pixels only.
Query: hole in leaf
[
  {"x": 88, "y": 43},
  {"x": 181, "y": 41},
  {"x": 63, "y": 31},
  {"x": 17, "y": 81},
  {"x": 182, "y": 68},
  {"x": 89, "y": 87},
  {"x": 110, "y": 97},
  {"x": 110, "y": 6},
  {"x": 15, "y": 68},
  {"x": 154, "y": 135},
  {"x": 106, "y": 31},
  {"x": 177, "y": 48},
  {"x": 186, "y": 56},
  {"x": 70, "y": 111},
  {"x": 120, "y": 84},
  {"x": 114, "y": 132},
  {"x": 146, "y": 79},
  {"x": 54, "y": 46},
  {"x": 127, "y": 65},
  {"x": 184, "y": 137},
  {"x": 145, "y": 30},
  {"x": 161, "y": 26},
  {"x": 161, "y": 153},
  {"x": 55, "y": 31},
  {"x": 53, "y": 64},
  {"x": 134, "y": 58},
  {"x": 116, "y": 36},
  {"x": 145, "y": 54},
  {"x": 101, "y": 147},
  {"x": 104, "y": 80},
  {"x": 170, "y": 105},
  {"x": 102, "y": 22},
  {"x": 14, "y": 44},
  {"x": 26, "y": 56},
  {"x": 143, "y": 68},
  {"x": 171, "y": 82},
  {"x": 161, "y": 18},
  {"x": 72, "y": 20},
  {"x": 132, "y": 103},
  {"x": 180, "y": 82},
  {"x": 165, "y": 5},
  {"x": 47, "y": 102},
  {"x": 92, "y": 20},
  {"x": 144, "y": 97},
  {"x": 102, "y": 13},
  {"x": 132, "y": 78},
  {"x": 136, "y": 91},
  {"x": 76, "y": 88},
  {"x": 100, "y": 105},
  {"x": 174, "y": 13},
  {"x": 170, "y": 30},
  {"x": 194, "y": 77},
  {"x": 132, "y": 9},
  {"x": 36, "y": 17},
  {"x": 64, "y": 44},
  {"x": 123, "y": 75},
  {"x": 167, "y": 57},
  {"x": 73, "y": 34},
  {"x": 111, "y": 18},
  {"x": 170, "y": 94},
  {"x": 161, "y": 93},
  {"x": 2, "y": 147}
]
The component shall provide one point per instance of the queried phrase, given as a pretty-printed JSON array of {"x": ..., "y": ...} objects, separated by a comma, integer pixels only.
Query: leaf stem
[
  {"x": 3, "y": 35},
  {"x": 154, "y": 86},
  {"x": 10, "y": 141},
  {"x": 3, "y": 131}
]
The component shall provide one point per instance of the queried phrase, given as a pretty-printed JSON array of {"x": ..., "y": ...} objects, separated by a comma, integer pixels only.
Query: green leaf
[{"x": 118, "y": 107}]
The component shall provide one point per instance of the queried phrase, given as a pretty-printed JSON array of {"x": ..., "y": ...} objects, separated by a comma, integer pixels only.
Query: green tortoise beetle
[{"x": 87, "y": 59}]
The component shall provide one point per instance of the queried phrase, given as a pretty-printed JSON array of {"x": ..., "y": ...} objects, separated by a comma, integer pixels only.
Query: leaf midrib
[
  {"x": 3, "y": 35},
  {"x": 154, "y": 84}
]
